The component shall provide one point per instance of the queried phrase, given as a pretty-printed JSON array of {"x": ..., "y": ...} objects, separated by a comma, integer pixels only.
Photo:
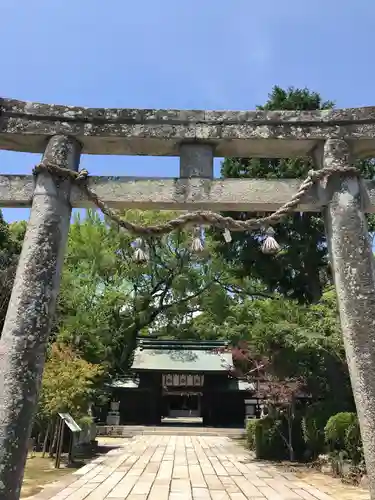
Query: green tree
[
  {"x": 68, "y": 386},
  {"x": 300, "y": 341},
  {"x": 107, "y": 300},
  {"x": 68, "y": 382},
  {"x": 301, "y": 270},
  {"x": 10, "y": 249}
]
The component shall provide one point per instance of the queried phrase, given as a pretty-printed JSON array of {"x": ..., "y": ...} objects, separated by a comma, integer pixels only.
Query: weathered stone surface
[
  {"x": 254, "y": 195},
  {"x": 14, "y": 107},
  {"x": 30, "y": 313},
  {"x": 178, "y": 194},
  {"x": 353, "y": 264},
  {"x": 24, "y": 126},
  {"x": 196, "y": 160}
]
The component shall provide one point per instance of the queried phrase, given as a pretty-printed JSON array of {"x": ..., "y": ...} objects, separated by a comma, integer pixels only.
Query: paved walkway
[{"x": 193, "y": 468}]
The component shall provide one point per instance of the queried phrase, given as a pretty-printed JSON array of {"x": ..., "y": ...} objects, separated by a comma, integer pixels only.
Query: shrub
[
  {"x": 251, "y": 434},
  {"x": 299, "y": 444},
  {"x": 353, "y": 442},
  {"x": 336, "y": 430},
  {"x": 267, "y": 438},
  {"x": 263, "y": 437},
  {"x": 313, "y": 424},
  {"x": 269, "y": 443}
]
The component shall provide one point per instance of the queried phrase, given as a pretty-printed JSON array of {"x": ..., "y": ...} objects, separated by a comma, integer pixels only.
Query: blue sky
[{"x": 173, "y": 54}]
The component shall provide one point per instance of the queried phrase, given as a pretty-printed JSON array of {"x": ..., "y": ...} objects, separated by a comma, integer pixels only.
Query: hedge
[{"x": 340, "y": 434}]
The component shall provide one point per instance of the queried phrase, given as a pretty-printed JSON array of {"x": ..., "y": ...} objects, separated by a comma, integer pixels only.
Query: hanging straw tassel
[
  {"x": 270, "y": 245},
  {"x": 196, "y": 244},
  {"x": 227, "y": 235},
  {"x": 140, "y": 255}
]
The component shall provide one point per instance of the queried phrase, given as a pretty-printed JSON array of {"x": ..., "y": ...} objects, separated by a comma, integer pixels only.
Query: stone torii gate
[{"x": 62, "y": 133}]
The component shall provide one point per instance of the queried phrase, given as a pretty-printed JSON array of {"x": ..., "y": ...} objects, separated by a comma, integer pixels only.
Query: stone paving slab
[{"x": 193, "y": 468}]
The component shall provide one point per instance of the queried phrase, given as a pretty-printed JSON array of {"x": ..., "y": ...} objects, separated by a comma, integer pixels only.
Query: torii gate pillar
[
  {"x": 30, "y": 313},
  {"x": 353, "y": 265}
]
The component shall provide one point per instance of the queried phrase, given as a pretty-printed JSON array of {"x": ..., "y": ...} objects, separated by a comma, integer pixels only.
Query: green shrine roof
[
  {"x": 125, "y": 383},
  {"x": 174, "y": 356}
]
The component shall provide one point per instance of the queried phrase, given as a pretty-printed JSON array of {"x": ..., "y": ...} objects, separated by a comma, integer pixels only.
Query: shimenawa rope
[{"x": 199, "y": 217}]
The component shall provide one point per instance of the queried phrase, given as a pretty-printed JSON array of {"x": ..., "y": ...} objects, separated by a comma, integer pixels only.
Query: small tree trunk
[
  {"x": 53, "y": 443},
  {"x": 46, "y": 439},
  {"x": 290, "y": 416},
  {"x": 290, "y": 439}
]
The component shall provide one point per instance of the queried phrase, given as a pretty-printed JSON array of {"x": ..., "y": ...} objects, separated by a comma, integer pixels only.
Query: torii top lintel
[{"x": 26, "y": 126}]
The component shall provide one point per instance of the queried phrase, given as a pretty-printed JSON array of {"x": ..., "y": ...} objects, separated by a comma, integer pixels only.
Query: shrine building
[{"x": 180, "y": 379}]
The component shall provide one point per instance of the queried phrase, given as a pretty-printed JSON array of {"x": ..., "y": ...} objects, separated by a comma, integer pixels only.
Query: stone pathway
[{"x": 193, "y": 468}]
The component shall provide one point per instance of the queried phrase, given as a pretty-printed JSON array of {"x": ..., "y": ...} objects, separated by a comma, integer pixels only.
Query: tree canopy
[
  {"x": 107, "y": 300},
  {"x": 301, "y": 270}
]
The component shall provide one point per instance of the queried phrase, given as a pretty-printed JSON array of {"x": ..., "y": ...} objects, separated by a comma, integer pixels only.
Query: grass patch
[{"x": 39, "y": 472}]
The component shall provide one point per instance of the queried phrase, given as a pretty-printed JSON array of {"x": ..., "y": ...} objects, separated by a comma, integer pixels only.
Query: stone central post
[
  {"x": 353, "y": 266},
  {"x": 196, "y": 160},
  {"x": 196, "y": 166},
  {"x": 30, "y": 313}
]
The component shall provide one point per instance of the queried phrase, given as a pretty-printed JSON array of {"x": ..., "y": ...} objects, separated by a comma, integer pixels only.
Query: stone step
[{"x": 129, "y": 431}]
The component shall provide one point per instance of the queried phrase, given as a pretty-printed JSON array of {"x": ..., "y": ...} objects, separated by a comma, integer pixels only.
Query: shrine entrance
[
  {"x": 181, "y": 392},
  {"x": 183, "y": 405}
]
